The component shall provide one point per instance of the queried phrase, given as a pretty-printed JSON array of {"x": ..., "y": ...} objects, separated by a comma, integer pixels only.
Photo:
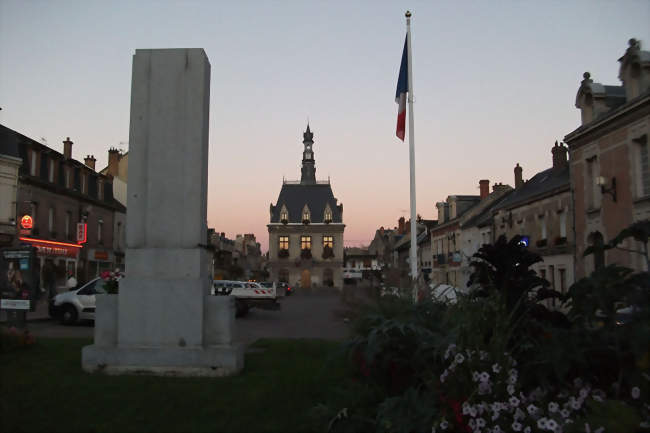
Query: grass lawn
[{"x": 42, "y": 388}]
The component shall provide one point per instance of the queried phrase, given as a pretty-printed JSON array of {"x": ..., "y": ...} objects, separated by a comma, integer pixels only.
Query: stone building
[
  {"x": 118, "y": 171},
  {"x": 58, "y": 192},
  {"x": 445, "y": 239},
  {"x": 540, "y": 210},
  {"x": 306, "y": 229},
  {"x": 610, "y": 174},
  {"x": 10, "y": 163}
]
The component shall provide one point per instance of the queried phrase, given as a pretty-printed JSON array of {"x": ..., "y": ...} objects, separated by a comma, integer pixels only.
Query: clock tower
[{"x": 308, "y": 164}]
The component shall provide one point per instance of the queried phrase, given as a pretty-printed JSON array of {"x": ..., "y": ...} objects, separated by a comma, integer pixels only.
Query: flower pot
[{"x": 106, "y": 320}]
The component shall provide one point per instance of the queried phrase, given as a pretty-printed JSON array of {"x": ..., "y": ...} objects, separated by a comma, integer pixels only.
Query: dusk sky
[{"x": 494, "y": 85}]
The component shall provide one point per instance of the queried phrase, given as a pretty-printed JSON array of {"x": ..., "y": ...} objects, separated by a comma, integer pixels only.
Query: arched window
[{"x": 306, "y": 215}]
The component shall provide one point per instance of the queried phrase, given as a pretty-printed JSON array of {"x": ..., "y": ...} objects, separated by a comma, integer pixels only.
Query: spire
[{"x": 308, "y": 163}]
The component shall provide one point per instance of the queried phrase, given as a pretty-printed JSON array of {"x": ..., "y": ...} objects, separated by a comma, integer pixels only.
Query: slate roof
[
  {"x": 9, "y": 142},
  {"x": 316, "y": 197},
  {"x": 539, "y": 186}
]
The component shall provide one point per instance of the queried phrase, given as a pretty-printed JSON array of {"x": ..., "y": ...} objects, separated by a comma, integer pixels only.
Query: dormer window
[
  {"x": 284, "y": 215},
  {"x": 306, "y": 215},
  {"x": 327, "y": 217}
]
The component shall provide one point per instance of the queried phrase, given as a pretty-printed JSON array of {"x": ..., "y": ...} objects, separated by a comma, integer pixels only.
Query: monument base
[{"x": 215, "y": 361}]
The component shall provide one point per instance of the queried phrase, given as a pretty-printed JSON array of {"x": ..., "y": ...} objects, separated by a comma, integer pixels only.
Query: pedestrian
[
  {"x": 71, "y": 284},
  {"x": 49, "y": 280}
]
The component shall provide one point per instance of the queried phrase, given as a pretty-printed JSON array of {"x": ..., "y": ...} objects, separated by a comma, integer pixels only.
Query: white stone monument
[{"x": 164, "y": 320}]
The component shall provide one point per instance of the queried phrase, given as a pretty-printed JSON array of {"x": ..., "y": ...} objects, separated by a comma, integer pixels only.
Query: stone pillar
[{"x": 167, "y": 320}]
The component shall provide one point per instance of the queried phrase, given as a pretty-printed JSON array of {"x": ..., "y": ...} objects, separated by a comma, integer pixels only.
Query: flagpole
[{"x": 414, "y": 234}]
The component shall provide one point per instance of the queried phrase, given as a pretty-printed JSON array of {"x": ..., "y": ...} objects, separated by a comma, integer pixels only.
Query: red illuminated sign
[
  {"x": 26, "y": 222},
  {"x": 82, "y": 232},
  {"x": 53, "y": 248}
]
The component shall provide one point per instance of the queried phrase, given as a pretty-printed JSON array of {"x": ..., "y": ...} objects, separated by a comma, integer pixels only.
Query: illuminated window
[
  {"x": 306, "y": 214},
  {"x": 328, "y": 241},
  {"x": 283, "y": 243},
  {"x": 284, "y": 214},
  {"x": 328, "y": 214},
  {"x": 305, "y": 242}
]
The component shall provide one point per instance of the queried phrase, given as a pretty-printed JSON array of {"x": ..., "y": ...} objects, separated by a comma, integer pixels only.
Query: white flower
[
  {"x": 497, "y": 429},
  {"x": 516, "y": 426},
  {"x": 511, "y": 389},
  {"x": 565, "y": 413},
  {"x": 514, "y": 401},
  {"x": 532, "y": 409},
  {"x": 459, "y": 358},
  {"x": 512, "y": 380},
  {"x": 527, "y": 429},
  {"x": 553, "y": 407},
  {"x": 484, "y": 377},
  {"x": 551, "y": 424},
  {"x": 443, "y": 376},
  {"x": 443, "y": 425},
  {"x": 472, "y": 412},
  {"x": 475, "y": 376},
  {"x": 636, "y": 392},
  {"x": 584, "y": 392},
  {"x": 466, "y": 407},
  {"x": 472, "y": 424},
  {"x": 480, "y": 422},
  {"x": 495, "y": 416},
  {"x": 496, "y": 368},
  {"x": 541, "y": 423}
]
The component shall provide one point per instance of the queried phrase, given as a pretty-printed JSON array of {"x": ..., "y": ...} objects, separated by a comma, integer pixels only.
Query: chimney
[
  {"x": 499, "y": 187},
  {"x": 113, "y": 160},
  {"x": 559, "y": 156},
  {"x": 519, "y": 181},
  {"x": 484, "y": 185},
  {"x": 401, "y": 223},
  {"x": 90, "y": 161},
  {"x": 67, "y": 148}
]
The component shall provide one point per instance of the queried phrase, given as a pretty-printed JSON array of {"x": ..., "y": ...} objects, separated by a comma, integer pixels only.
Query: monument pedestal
[{"x": 164, "y": 320}]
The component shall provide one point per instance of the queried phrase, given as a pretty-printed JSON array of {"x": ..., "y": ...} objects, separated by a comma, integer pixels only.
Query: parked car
[
  {"x": 77, "y": 304},
  {"x": 248, "y": 294}
]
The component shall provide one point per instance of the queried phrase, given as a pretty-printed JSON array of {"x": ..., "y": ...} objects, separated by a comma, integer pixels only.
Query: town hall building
[{"x": 306, "y": 229}]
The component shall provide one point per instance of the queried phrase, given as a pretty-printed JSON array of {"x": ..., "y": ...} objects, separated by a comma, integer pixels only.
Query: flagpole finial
[{"x": 408, "y": 14}]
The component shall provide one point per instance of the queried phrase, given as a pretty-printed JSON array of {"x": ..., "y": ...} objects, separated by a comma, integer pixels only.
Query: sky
[{"x": 494, "y": 85}]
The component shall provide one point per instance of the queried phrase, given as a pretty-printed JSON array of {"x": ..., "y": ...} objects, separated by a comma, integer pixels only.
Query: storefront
[
  {"x": 99, "y": 260},
  {"x": 63, "y": 256}
]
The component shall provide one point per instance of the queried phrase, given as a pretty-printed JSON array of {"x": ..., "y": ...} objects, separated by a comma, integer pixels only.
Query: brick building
[{"x": 610, "y": 174}]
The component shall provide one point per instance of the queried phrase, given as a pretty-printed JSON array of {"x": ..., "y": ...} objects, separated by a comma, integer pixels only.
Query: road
[{"x": 301, "y": 316}]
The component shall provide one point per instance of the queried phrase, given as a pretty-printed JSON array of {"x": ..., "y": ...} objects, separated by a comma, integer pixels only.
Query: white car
[
  {"x": 248, "y": 294},
  {"x": 75, "y": 305}
]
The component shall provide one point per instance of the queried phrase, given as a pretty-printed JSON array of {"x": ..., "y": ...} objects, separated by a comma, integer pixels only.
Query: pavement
[{"x": 309, "y": 315}]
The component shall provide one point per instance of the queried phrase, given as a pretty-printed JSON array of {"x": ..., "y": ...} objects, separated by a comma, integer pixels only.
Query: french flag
[{"x": 400, "y": 95}]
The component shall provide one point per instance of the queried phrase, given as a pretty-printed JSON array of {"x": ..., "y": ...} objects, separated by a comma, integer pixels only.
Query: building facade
[
  {"x": 610, "y": 174},
  {"x": 541, "y": 211},
  {"x": 306, "y": 229},
  {"x": 10, "y": 163},
  {"x": 57, "y": 192}
]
